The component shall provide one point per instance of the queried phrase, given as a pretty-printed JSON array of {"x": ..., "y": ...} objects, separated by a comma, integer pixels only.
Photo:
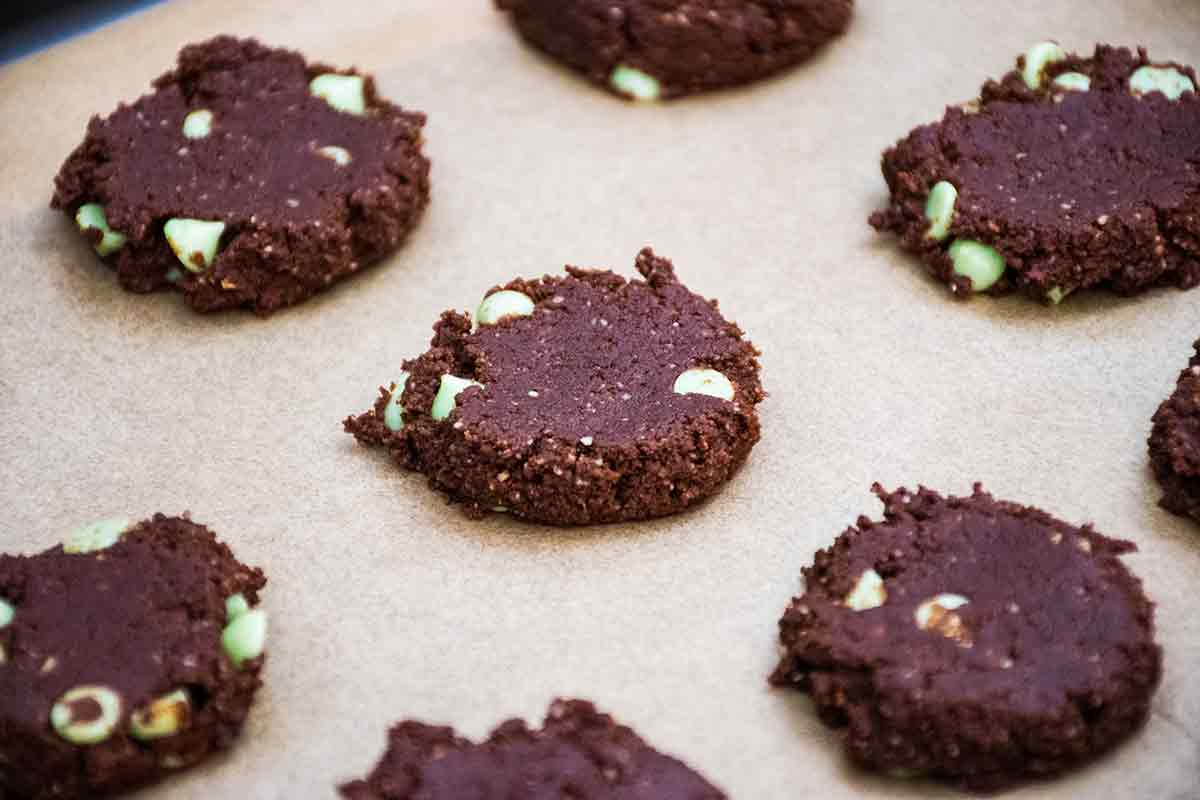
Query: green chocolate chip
[
  {"x": 338, "y": 155},
  {"x": 91, "y": 215},
  {"x": 198, "y": 124},
  {"x": 245, "y": 638},
  {"x": 1073, "y": 82},
  {"x": 194, "y": 241},
  {"x": 343, "y": 92},
  {"x": 164, "y": 717},
  {"x": 7, "y": 612},
  {"x": 704, "y": 381},
  {"x": 939, "y": 210},
  {"x": 1037, "y": 58},
  {"x": 235, "y": 606},
  {"x": 983, "y": 265},
  {"x": 174, "y": 275},
  {"x": 99, "y": 535},
  {"x": 448, "y": 390},
  {"x": 1057, "y": 294},
  {"x": 393, "y": 412},
  {"x": 635, "y": 83},
  {"x": 502, "y": 305},
  {"x": 1171, "y": 82},
  {"x": 87, "y": 714}
]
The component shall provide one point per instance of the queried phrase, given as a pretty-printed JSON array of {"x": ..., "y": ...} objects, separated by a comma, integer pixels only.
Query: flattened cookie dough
[
  {"x": 578, "y": 399},
  {"x": 972, "y": 640},
  {"x": 578, "y": 753},
  {"x": 658, "y": 49},
  {"x": 127, "y": 653},
  {"x": 1175, "y": 444},
  {"x": 1068, "y": 173},
  {"x": 247, "y": 178}
]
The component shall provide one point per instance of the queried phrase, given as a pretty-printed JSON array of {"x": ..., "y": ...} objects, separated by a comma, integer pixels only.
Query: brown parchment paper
[{"x": 385, "y": 602}]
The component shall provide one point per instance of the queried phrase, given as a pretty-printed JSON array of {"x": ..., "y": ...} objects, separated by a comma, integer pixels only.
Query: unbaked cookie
[
  {"x": 972, "y": 640},
  {"x": 248, "y": 177},
  {"x": 579, "y": 753},
  {"x": 652, "y": 49},
  {"x": 1069, "y": 173},
  {"x": 577, "y": 399},
  {"x": 1175, "y": 443},
  {"x": 127, "y": 653}
]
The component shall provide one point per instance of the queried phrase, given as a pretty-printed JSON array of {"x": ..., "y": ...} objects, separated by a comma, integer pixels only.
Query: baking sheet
[{"x": 385, "y": 602}]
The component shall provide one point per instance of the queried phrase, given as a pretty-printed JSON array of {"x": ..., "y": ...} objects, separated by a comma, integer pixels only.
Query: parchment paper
[{"x": 386, "y": 603}]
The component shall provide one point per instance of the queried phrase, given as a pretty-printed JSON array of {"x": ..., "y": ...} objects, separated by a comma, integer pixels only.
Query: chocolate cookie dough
[
  {"x": 576, "y": 400},
  {"x": 1175, "y": 443},
  {"x": 972, "y": 640},
  {"x": 579, "y": 753},
  {"x": 127, "y": 653},
  {"x": 1068, "y": 173},
  {"x": 652, "y": 49},
  {"x": 247, "y": 178}
]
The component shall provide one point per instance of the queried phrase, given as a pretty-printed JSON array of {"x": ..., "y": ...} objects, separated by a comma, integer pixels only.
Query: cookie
[
  {"x": 1068, "y": 173},
  {"x": 247, "y": 178},
  {"x": 972, "y": 640},
  {"x": 578, "y": 753},
  {"x": 127, "y": 653},
  {"x": 652, "y": 49},
  {"x": 577, "y": 399},
  {"x": 1175, "y": 443}
]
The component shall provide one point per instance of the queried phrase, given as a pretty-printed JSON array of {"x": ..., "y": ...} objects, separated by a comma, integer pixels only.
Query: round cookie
[
  {"x": 972, "y": 640},
  {"x": 578, "y": 753},
  {"x": 578, "y": 399},
  {"x": 1068, "y": 173},
  {"x": 128, "y": 653},
  {"x": 652, "y": 49},
  {"x": 1175, "y": 443},
  {"x": 247, "y": 178}
]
